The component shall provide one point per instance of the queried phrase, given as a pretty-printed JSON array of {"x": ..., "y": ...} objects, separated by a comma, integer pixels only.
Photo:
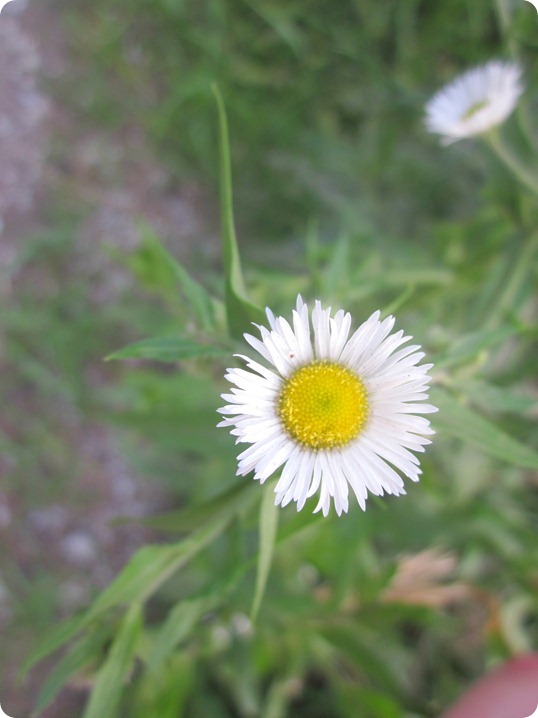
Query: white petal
[
  {"x": 322, "y": 335},
  {"x": 396, "y": 430}
]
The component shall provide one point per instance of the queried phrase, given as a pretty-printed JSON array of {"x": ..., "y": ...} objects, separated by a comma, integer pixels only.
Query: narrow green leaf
[
  {"x": 268, "y": 529},
  {"x": 55, "y": 639},
  {"x": 398, "y": 301},
  {"x": 464, "y": 423},
  {"x": 370, "y": 280},
  {"x": 336, "y": 274},
  {"x": 360, "y": 700},
  {"x": 152, "y": 565},
  {"x": 240, "y": 311},
  {"x": 191, "y": 517},
  {"x": 199, "y": 299},
  {"x": 185, "y": 616},
  {"x": 467, "y": 347},
  {"x": 167, "y": 349},
  {"x": 278, "y": 698},
  {"x": 165, "y": 693},
  {"x": 416, "y": 276},
  {"x": 363, "y": 648},
  {"x": 79, "y": 656},
  {"x": 281, "y": 20},
  {"x": 490, "y": 397},
  {"x": 178, "y": 625},
  {"x": 115, "y": 670},
  {"x": 160, "y": 271}
]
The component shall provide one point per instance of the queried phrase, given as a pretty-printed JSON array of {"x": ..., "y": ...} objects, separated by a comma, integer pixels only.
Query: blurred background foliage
[
  {"x": 339, "y": 194},
  {"x": 325, "y": 100}
]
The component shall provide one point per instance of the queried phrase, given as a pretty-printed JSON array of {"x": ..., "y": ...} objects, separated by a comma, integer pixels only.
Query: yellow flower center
[
  {"x": 323, "y": 405},
  {"x": 474, "y": 109}
]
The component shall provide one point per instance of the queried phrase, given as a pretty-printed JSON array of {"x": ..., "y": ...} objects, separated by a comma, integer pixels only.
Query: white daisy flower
[
  {"x": 333, "y": 411},
  {"x": 475, "y": 102}
]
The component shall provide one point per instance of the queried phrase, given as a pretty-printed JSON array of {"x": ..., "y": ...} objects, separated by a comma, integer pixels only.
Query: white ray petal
[{"x": 396, "y": 430}]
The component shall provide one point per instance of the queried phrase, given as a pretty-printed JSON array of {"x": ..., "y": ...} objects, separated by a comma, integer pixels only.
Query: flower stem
[
  {"x": 504, "y": 15},
  {"x": 510, "y": 160}
]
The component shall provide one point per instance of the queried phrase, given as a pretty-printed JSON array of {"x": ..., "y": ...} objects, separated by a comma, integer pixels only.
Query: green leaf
[
  {"x": 142, "y": 576},
  {"x": 165, "y": 693},
  {"x": 161, "y": 272},
  {"x": 186, "y": 615},
  {"x": 79, "y": 656},
  {"x": 191, "y": 517},
  {"x": 115, "y": 670},
  {"x": 268, "y": 529},
  {"x": 178, "y": 625},
  {"x": 167, "y": 349},
  {"x": 370, "y": 280},
  {"x": 55, "y": 639},
  {"x": 361, "y": 700},
  {"x": 467, "y": 347},
  {"x": 362, "y": 646},
  {"x": 281, "y": 20},
  {"x": 240, "y": 311},
  {"x": 490, "y": 397},
  {"x": 464, "y": 423},
  {"x": 278, "y": 697},
  {"x": 152, "y": 565},
  {"x": 336, "y": 274}
]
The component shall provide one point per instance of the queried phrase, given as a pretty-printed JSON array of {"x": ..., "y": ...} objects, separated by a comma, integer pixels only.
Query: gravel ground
[
  {"x": 115, "y": 177},
  {"x": 24, "y": 122}
]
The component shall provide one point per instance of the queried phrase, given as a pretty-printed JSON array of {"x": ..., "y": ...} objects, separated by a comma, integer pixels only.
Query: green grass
[{"x": 324, "y": 98}]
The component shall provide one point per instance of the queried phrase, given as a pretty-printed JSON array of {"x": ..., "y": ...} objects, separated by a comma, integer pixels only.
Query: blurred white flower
[
  {"x": 2, "y": 714},
  {"x": 3, "y": 3},
  {"x": 475, "y": 102},
  {"x": 334, "y": 411}
]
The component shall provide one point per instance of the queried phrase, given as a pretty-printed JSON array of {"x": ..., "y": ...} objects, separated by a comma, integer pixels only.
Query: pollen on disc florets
[{"x": 323, "y": 405}]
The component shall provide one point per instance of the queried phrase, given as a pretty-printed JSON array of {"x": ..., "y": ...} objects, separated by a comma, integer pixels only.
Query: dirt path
[{"x": 114, "y": 177}]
